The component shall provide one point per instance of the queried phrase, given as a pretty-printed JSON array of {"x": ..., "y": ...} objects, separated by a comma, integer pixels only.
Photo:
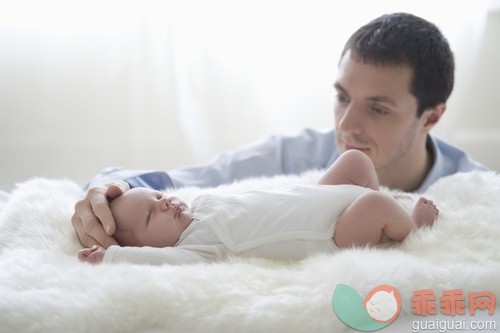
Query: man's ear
[{"x": 431, "y": 116}]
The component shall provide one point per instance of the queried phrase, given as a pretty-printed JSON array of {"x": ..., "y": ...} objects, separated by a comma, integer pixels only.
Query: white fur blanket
[{"x": 43, "y": 287}]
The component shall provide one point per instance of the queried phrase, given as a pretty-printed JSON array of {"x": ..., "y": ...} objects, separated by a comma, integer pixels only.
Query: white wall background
[{"x": 158, "y": 84}]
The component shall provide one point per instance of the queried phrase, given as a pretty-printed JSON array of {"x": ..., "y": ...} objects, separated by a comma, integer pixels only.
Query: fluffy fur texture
[{"x": 44, "y": 288}]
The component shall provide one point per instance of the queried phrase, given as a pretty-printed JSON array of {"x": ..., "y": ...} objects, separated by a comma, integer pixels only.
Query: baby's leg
[
  {"x": 368, "y": 217},
  {"x": 352, "y": 167}
]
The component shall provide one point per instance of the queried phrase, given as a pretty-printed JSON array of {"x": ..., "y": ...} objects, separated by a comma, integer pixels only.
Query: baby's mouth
[{"x": 178, "y": 210}]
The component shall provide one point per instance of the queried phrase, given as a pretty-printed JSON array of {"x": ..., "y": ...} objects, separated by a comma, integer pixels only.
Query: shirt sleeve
[
  {"x": 158, "y": 256},
  {"x": 276, "y": 155},
  {"x": 279, "y": 154}
]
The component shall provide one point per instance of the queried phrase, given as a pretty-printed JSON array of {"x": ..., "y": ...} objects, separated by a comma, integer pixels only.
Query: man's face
[{"x": 376, "y": 113}]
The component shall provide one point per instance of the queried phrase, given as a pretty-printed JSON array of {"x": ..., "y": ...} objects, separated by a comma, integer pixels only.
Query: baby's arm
[
  {"x": 93, "y": 255},
  {"x": 161, "y": 256},
  {"x": 150, "y": 255}
]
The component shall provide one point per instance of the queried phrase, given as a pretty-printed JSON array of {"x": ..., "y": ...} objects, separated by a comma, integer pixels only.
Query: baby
[{"x": 343, "y": 210}]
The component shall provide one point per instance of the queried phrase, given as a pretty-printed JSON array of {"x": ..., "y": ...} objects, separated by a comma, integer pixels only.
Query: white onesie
[{"x": 289, "y": 223}]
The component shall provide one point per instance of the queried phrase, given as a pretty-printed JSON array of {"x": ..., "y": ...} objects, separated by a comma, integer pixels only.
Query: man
[{"x": 395, "y": 76}]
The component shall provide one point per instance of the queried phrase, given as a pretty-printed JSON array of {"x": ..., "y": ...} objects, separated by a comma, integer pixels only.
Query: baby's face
[{"x": 145, "y": 217}]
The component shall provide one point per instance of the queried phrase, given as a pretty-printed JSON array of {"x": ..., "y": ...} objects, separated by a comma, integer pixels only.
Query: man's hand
[
  {"x": 93, "y": 255},
  {"x": 92, "y": 219}
]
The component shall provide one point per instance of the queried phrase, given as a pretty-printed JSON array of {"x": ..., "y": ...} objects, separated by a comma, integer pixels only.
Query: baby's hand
[{"x": 93, "y": 255}]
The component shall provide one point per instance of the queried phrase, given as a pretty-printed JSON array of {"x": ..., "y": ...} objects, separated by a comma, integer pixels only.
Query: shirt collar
[{"x": 437, "y": 165}]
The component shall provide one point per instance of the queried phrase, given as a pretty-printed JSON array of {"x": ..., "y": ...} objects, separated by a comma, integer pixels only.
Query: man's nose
[{"x": 349, "y": 120}]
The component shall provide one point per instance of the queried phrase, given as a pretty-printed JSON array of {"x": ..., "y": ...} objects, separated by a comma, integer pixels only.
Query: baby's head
[{"x": 145, "y": 217}]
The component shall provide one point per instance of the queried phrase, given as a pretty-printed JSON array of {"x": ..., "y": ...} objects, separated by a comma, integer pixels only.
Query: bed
[{"x": 44, "y": 288}]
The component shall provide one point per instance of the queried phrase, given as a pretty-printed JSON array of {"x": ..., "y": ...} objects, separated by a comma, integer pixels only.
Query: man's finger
[
  {"x": 89, "y": 228},
  {"x": 84, "y": 238},
  {"x": 116, "y": 189},
  {"x": 100, "y": 207},
  {"x": 94, "y": 231}
]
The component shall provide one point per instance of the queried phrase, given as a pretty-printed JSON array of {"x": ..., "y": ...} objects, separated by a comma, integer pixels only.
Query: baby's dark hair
[{"x": 402, "y": 39}]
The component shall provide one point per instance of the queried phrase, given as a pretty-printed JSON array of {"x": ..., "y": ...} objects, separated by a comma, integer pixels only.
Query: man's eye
[
  {"x": 342, "y": 98},
  {"x": 380, "y": 111}
]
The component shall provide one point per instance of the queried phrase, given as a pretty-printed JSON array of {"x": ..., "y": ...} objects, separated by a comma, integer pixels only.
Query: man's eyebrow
[
  {"x": 377, "y": 99},
  {"x": 382, "y": 99},
  {"x": 339, "y": 87}
]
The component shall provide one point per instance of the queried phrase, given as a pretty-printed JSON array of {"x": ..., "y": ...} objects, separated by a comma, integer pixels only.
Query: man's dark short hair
[{"x": 402, "y": 39}]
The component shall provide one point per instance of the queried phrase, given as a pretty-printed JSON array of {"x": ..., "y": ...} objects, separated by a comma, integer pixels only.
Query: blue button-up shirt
[{"x": 278, "y": 155}]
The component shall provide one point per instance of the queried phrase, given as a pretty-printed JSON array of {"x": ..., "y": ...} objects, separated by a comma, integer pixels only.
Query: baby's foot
[{"x": 425, "y": 212}]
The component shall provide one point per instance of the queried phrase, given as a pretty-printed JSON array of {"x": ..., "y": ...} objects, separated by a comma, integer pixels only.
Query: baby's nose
[{"x": 165, "y": 202}]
